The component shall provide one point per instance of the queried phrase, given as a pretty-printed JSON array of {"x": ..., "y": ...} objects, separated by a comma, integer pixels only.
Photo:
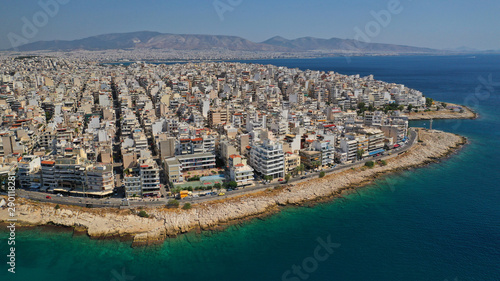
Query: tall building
[
  {"x": 150, "y": 177},
  {"x": 268, "y": 159}
]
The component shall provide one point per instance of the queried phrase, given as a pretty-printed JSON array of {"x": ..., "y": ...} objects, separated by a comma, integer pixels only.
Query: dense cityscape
[{"x": 145, "y": 130}]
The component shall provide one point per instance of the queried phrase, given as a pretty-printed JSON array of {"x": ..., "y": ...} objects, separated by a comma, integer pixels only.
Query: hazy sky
[{"x": 423, "y": 23}]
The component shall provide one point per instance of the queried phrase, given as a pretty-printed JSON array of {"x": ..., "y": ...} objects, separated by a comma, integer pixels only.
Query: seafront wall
[{"x": 164, "y": 222}]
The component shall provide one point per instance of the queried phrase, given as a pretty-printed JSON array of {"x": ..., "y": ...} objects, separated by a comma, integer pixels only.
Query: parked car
[
  {"x": 281, "y": 180},
  {"x": 59, "y": 194},
  {"x": 222, "y": 194},
  {"x": 303, "y": 177},
  {"x": 48, "y": 197}
]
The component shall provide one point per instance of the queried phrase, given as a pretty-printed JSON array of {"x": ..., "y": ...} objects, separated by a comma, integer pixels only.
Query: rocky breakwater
[{"x": 164, "y": 222}]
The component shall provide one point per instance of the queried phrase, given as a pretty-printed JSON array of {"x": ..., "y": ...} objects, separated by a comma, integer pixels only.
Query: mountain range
[{"x": 166, "y": 41}]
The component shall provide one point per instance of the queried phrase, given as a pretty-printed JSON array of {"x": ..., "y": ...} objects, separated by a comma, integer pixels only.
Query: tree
[
  {"x": 383, "y": 162},
  {"x": 57, "y": 207},
  {"x": 371, "y": 108},
  {"x": 186, "y": 206},
  {"x": 173, "y": 203},
  {"x": 360, "y": 153},
  {"x": 268, "y": 178},
  {"x": 361, "y": 106},
  {"x": 217, "y": 186},
  {"x": 232, "y": 184},
  {"x": 301, "y": 168},
  {"x": 143, "y": 214},
  {"x": 287, "y": 177},
  {"x": 370, "y": 164},
  {"x": 322, "y": 174},
  {"x": 410, "y": 107},
  {"x": 429, "y": 102},
  {"x": 444, "y": 105}
]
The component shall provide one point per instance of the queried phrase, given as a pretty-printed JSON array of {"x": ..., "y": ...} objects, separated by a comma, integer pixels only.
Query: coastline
[{"x": 126, "y": 224}]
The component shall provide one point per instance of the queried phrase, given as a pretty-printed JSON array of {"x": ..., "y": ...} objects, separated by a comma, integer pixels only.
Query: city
[{"x": 89, "y": 130}]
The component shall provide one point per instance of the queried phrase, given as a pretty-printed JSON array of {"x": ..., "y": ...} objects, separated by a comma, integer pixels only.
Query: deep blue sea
[{"x": 440, "y": 222}]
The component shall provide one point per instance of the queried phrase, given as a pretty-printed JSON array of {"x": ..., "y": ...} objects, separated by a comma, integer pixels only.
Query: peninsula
[{"x": 116, "y": 150}]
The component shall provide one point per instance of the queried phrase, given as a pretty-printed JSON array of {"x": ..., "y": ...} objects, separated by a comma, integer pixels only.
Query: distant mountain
[
  {"x": 464, "y": 49},
  {"x": 342, "y": 45},
  {"x": 156, "y": 40}
]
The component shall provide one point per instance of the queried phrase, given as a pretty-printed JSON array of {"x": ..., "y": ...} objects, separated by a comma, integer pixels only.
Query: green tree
[
  {"x": 322, "y": 174},
  {"x": 186, "y": 206},
  {"x": 360, "y": 153},
  {"x": 315, "y": 164},
  {"x": 143, "y": 214},
  {"x": 361, "y": 106},
  {"x": 383, "y": 162},
  {"x": 371, "y": 108},
  {"x": 287, "y": 177},
  {"x": 57, "y": 207},
  {"x": 428, "y": 102},
  {"x": 232, "y": 184},
  {"x": 268, "y": 178},
  {"x": 301, "y": 168},
  {"x": 370, "y": 164},
  {"x": 410, "y": 107},
  {"x": 172, "y": 203}
]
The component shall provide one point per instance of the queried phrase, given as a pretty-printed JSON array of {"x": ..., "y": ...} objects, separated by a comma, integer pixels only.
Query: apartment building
[{"x": 268, "y": 159}]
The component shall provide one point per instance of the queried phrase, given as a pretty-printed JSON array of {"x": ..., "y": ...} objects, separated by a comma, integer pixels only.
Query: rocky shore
[
  {"x": 164, "y": 222},
  {"x": 467, "y": 113}
]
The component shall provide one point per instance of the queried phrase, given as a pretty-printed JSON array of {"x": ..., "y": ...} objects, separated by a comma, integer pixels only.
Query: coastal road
[{"x": 117, "y": 202}]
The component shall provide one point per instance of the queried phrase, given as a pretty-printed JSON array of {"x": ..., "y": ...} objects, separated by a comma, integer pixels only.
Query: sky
[{"x": 439, "y": 24}]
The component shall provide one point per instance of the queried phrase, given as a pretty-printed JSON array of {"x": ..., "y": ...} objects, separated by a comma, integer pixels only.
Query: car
[
  {"x": 303, "y": 177},
  {"x": 203, "y": 194},
  {"x": 222, "y": 194},
  {"x": 281, "y": 180},
  {"x": 48, "y": 197},
  {"x": 229, "y": 189},
  {"x": 107, "y": 202},
  {"x": 196, "y": 195},
  {"x": 59, "y": 194}
]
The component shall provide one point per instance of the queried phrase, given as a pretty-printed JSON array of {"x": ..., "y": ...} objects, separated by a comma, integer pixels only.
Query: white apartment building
[{"x": 268, "y": 159}]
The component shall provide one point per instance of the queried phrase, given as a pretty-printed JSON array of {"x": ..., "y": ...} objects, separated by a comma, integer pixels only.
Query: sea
[{"x": 439, "y": 222}]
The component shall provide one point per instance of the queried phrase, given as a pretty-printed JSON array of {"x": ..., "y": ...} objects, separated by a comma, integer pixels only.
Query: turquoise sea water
[{"x": 440, "y": 222}]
